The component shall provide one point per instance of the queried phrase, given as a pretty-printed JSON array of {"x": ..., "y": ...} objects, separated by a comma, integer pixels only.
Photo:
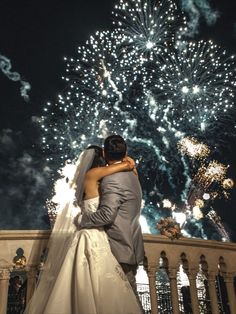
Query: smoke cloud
[
  {"x": 24, "y": 186},
  {"x": 5, "y": 66},
  {"x": 195, "y": 10}
]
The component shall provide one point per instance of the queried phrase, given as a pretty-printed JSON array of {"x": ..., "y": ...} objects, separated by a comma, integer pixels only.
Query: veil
[{"x": 63, "y": 231}]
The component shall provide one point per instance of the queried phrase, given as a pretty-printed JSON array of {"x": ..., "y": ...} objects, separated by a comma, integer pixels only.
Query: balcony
[{"x": 178, "y": 276}]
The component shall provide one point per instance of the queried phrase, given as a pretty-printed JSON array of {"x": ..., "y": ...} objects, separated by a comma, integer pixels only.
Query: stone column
[
  {"x": 211, "y": 280},
  {"x": 192, "y": 273},
  {"x": 172, "y": 273},
  {"x": 4, "y": 285},
  {"x": 31, "y": 281},
  {"x": 229, "y": 281},
  {"x": 151, "y": 272}
]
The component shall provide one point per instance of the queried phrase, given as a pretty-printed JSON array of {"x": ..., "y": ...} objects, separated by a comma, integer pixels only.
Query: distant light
[
  {"x": 206, "y": 196},
  {"x": 196, "y": 89},
  {"x": 166, "y": 203},
  {"x": 149, "y": 44},
  {"x": 179, "y": 217},
  {"x": 197, "y": 214},
  {"x": 104, "y": 92},
  {"x": 203, "y": 126},
  {"x": 185, "y": 89},
  {"x": 144, "y": 225}
]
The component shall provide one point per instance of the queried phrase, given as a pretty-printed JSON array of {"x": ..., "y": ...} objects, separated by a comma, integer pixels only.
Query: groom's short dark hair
[{"x": 115, "y": 147}]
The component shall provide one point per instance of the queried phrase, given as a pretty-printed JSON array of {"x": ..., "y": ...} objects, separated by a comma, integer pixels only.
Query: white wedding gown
[{"x": 90, "y": 280}]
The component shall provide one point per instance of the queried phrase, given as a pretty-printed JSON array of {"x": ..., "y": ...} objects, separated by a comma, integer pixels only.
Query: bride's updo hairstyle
[
  {"x": 98, "y": 160},
  {"x": 115, "y": 147}
]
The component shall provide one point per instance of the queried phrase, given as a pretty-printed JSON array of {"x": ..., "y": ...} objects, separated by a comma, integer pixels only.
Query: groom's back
[{"x": 125, "y": 234}]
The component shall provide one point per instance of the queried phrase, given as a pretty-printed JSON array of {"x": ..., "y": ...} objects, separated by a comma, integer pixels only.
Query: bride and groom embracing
[{"x": 94, "y": 255}]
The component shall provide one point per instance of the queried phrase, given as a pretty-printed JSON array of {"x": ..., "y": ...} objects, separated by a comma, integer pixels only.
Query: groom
[{"x": 119, "y": 211}]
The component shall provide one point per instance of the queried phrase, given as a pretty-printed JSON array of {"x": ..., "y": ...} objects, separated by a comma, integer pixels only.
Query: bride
[{"x": 81, "y": 276}]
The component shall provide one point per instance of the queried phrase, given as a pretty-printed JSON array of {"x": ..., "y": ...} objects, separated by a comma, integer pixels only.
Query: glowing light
[
  {"x": 199, "y": 203},
  {"x": 179, "y": 217},
  {"x": 193, "y": 148},
  {"x": 185, "y": 89},
  {"x": 196, "y": 89},
  {"x": 206, "y": 196},
  {"x": 197, "y": 214},
  {"x": 104, "y": 92},
  {"x": 146, "y": 25},
  {"x": 213, "y": 172},
  {"x": 149, "y": 45},
  {"x": 166, "y": 203},
  {"x": 228, "y": 183},
  {"x": 144, "y": 225}
]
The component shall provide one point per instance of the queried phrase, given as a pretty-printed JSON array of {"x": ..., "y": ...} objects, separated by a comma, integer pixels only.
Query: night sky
[{"x": 35, "y": 36}]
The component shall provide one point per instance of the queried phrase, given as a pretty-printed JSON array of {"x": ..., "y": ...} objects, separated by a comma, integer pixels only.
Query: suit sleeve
[{"x": 111, "y": 199}]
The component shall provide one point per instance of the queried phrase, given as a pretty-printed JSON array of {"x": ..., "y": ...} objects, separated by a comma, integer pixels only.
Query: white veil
[{"x": 62, "y": 233}]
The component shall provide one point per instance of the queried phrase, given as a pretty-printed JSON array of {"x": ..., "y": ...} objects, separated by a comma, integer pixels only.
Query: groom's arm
[{"x": 111, "y": 199}]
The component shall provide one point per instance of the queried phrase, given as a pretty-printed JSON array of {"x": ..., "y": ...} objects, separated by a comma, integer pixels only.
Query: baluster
[
  {"x": 229, "y": 281},
  {"x": 172, "y": 273},
  {"x": 211, "y": 279},
  {"x": 192, "y": 273},
  {"x": 31, "y": 281},
  {"x": 4, "y": 285},
  {"x": 151, "y": 272}
]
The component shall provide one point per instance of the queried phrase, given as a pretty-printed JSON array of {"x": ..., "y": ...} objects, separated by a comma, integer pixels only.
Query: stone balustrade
[{"x": 185, "y": 262}]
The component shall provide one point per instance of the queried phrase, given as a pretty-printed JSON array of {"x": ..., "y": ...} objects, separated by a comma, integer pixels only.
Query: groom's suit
[{"x": 119, "y": 213}]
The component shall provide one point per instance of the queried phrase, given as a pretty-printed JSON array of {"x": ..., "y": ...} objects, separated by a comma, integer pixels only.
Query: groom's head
[{"x": 115, "y": 148}]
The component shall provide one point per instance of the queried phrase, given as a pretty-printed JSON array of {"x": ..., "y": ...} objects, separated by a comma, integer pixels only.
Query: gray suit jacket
[{"x": 119, "y": 213}]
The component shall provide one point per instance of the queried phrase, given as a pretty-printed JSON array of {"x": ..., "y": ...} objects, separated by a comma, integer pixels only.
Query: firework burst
[
  {"x": 213, "y": 172},
  {"x": 193, "y": 148},
  {"x": 147, "y": 25},
  {"x": 196, "y": 82}
]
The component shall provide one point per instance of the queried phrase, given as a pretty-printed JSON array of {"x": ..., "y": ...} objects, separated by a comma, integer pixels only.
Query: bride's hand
[{"x": 130, "y": 164}]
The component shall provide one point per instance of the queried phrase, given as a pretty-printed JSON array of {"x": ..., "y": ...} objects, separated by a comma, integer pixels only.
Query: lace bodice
[{"x": 90, "y": 205}]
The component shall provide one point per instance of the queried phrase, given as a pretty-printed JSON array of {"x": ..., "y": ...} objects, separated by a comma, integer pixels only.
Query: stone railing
[
  {"x": 183, "y": 259},
  {"x": 195, "y": 257}
]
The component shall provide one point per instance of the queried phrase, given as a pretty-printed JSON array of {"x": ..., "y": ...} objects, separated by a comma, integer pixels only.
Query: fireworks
[
  {"x": 193, "y": 148},
  {"x": 143, "y": 82},
  {"x": 89, "y": 107},
  {"x": 199, "y": 203},
  {"x": 147, "y": 25},
  {"x": 197, "y": 82},
  {"x": 212, "y": 215},
  {"x": 228, "y": 184},
  {"x": 208, "y": 184},
  {"x": 213, "y": 172},
  {"x": 197, "y": 214},
  {"x": 166, "y": 203}
]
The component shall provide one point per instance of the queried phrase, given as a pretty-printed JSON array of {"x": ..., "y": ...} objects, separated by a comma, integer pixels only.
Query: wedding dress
[{"x": 90, "y": 280}]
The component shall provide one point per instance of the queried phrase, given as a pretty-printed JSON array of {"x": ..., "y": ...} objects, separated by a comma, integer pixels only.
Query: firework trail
[{"x": 5, "y": 66}]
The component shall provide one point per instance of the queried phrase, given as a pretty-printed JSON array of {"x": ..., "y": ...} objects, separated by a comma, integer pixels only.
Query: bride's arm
[{"x": 98, "y": 173}]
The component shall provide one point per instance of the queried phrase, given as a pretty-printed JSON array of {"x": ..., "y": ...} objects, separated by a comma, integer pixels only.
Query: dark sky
[{"x": 36, "y": 35}]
